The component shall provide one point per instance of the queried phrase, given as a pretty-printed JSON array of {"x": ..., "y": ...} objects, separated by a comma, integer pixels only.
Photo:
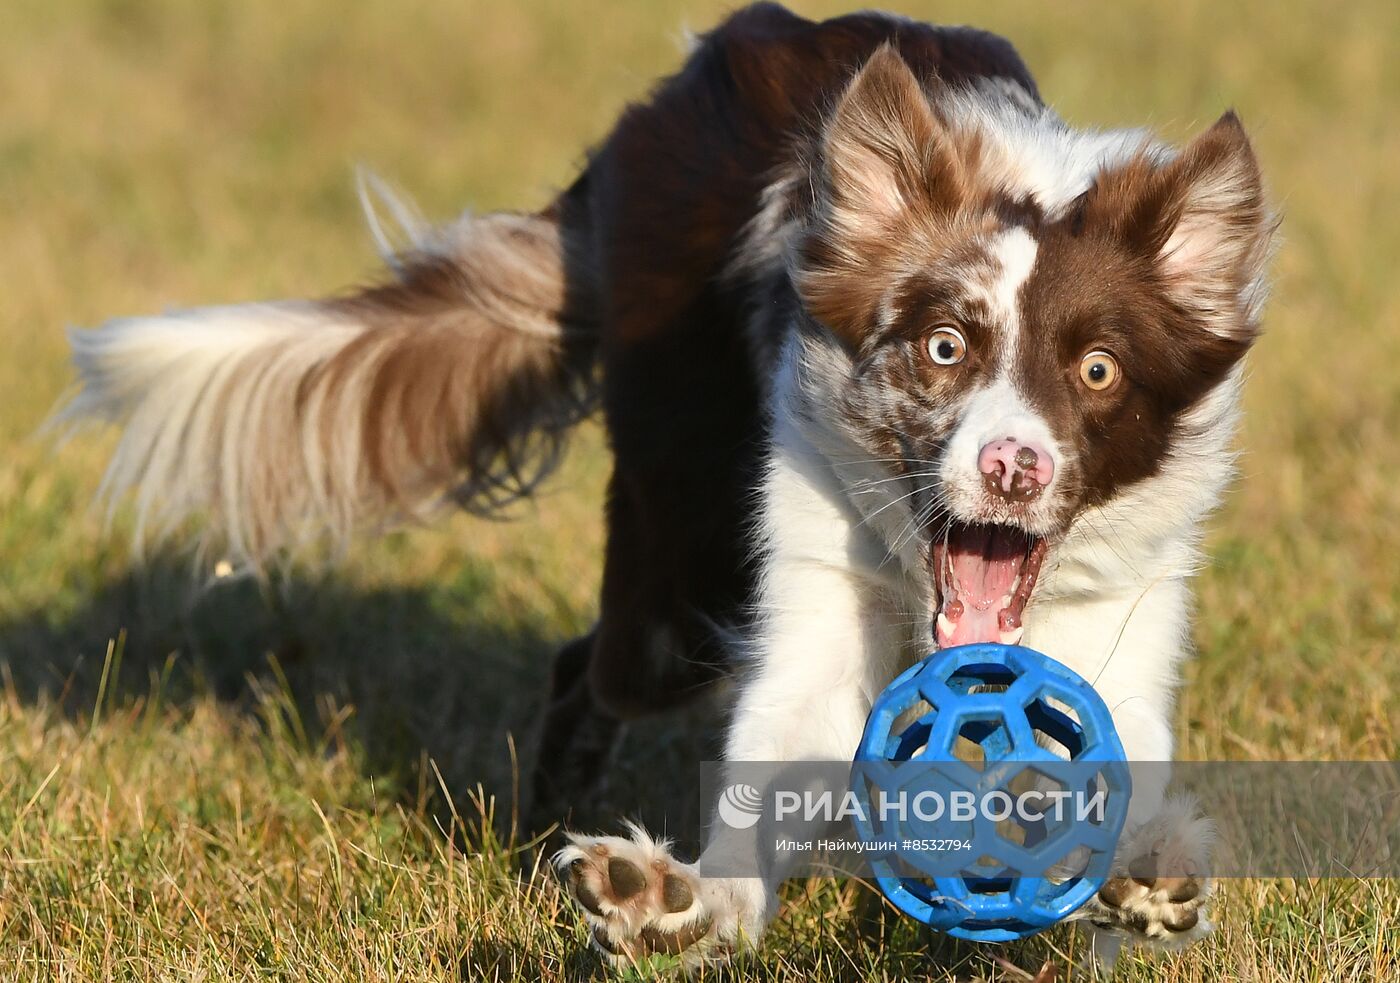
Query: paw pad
[
  {"x": 625, "y": 878},
  {"x": 1162, "y": 893},
  {"x": 676, "y": 894},
  {"x": 637, "y": 900}
]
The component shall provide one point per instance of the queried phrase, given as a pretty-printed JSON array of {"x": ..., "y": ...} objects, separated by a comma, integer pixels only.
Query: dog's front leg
[
  {"x": 1130, "y": 645},
  {"x": 827, "y": 642}
]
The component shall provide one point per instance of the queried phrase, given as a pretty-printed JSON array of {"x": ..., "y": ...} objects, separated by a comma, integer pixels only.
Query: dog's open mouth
[{"x": 984, "y": 575}]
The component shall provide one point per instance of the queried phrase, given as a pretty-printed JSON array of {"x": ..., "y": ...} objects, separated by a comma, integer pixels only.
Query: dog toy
[{"x": 1012, "y": 790}]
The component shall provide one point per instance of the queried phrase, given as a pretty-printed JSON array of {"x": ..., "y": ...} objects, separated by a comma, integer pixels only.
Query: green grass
[{"x": 315, "y": 780}]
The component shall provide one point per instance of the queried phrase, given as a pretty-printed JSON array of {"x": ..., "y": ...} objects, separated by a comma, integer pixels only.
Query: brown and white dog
[{"x": 889, "y": 355}]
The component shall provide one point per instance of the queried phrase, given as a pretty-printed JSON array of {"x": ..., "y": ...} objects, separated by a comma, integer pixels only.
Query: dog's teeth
[
  {"x": 1006, "y": 600},
  {"x": 945, "y": 626},
  {"x": 1012, "y": 637}
]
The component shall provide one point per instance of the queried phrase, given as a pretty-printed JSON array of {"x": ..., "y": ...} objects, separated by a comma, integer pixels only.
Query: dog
[{"x": 890, "y": 357}]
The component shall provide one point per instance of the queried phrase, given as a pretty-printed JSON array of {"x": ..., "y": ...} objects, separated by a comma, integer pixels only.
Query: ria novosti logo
[
  {"x": 921, "y": 814},
  {"x": 740, "y": 806}
]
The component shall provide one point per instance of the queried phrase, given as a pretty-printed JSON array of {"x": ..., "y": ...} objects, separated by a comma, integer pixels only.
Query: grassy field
[{"x": 316, "y": 780}]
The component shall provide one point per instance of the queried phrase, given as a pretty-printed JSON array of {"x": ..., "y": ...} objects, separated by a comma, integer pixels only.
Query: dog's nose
[{"x": 1015, "y": 470}]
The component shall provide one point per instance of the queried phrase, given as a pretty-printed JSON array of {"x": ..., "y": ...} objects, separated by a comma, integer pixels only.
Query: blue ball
[{"x": 981, "y": 727}]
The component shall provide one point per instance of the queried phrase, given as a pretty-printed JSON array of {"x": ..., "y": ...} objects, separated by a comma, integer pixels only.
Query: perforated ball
[{"x": 986, "y": 726}]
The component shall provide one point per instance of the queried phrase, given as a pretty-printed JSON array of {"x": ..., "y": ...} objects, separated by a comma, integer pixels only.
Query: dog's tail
[{"x": 275, "y": 425}]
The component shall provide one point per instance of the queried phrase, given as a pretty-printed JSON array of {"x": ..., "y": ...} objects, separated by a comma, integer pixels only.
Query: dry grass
[{"x": 258, "y": 785}]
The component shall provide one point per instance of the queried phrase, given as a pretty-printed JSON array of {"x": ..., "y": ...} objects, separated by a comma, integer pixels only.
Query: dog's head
[{"x": 1028, "y": 315}]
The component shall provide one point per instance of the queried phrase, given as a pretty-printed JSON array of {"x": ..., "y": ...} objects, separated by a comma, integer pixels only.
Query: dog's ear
[
  {"x": 1204, "y": 220},
  {"x": 883, "y": 168},
  {"x": 884, "y": 152}
]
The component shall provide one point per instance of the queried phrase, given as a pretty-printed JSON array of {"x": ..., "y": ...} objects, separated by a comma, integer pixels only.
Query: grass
[{"x": 315, "y": 781}]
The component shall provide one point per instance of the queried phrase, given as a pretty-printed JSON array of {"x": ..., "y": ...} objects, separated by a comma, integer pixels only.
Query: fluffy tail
[{"x": 276, "y": 425}]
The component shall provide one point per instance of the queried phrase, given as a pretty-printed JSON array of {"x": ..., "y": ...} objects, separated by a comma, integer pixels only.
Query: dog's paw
[
  {"x": 637, "y": 900},
  {"x": 1160, "y": 889}
]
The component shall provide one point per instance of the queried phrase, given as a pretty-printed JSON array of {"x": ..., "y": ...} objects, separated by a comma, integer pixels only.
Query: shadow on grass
[
  {"x": 868, "y": 941},
  {"x": 443, "y": 674}
]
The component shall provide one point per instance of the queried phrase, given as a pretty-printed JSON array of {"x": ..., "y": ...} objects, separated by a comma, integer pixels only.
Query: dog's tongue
[{"x": 980, "y": 565}]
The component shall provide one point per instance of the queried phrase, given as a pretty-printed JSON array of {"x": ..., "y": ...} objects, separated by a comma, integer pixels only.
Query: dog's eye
[
  {"x": 946, "y": 345},
  {"x": 1099, "y": 371}
]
